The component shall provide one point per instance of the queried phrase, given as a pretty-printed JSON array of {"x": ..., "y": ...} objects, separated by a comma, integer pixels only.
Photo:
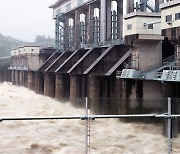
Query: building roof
[
  {"x": 31, "y": 46},
  {"x": 56, "y": 4},
  {"x": 169, "y": 4},
  {"x": 142, "y": 14}
]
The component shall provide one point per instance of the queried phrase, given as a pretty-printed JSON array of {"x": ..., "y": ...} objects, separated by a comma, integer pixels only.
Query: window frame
[
  {"x": 177, "y": 16},
  {"x": 169, "y": 18},
  {"x": 129, "y": 26}
]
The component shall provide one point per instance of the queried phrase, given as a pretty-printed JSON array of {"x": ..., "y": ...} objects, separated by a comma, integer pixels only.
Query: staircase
[{"x": 155, "y": 72}]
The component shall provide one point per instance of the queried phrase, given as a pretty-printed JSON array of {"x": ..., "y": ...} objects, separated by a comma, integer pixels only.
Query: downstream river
[{"x": 108, "y": 136}]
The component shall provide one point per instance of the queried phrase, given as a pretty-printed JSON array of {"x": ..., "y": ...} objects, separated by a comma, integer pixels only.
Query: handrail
[
  {"x": 169, "y": 59},
  {"x": 92, "y": 117},
  {"x": 166, "y": 61}
]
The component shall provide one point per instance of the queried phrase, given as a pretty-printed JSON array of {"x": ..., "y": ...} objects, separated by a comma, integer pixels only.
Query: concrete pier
[
  {"x": 73, "y": 87},
  {"x": 49, "y": 84},
  {"x": 25, "y": 78},
  {"x": 31, "y": 80},
  {"x": 94, "y": 88},
  {"x": 20, "y": 78},
  {"x": 13, "y": 77},
  {"x": 39, "y": 83},
  {"x": 17, "y": 77},
  {"x": 59, "y": 92},
  {"x": 76, "y": 86}
]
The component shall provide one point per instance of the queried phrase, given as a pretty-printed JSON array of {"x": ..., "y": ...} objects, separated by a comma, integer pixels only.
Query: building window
[
  {"x": 177, "y": 16},
  {"x": 129, "y": 27},
  {"x": 150, "y": 26},
  {"x": 32, "y": 49},
  {"x": 96, "y": 27},
  {"x": 168, "y": 18}
]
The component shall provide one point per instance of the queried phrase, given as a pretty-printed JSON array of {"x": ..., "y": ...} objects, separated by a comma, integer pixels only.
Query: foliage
[
  {"x": 8, "y": 43},
  {"x": 5, "y": 62},
  {"x": 44, "y": 41}
]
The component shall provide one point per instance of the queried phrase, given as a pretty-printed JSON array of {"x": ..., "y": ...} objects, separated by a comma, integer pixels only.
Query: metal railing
[
  {"x": 87, "y": 118},
  {"x": 165, "y": 62}
]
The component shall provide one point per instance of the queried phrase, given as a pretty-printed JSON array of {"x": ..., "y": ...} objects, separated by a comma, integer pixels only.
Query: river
[{"x": 108, "y": 136}]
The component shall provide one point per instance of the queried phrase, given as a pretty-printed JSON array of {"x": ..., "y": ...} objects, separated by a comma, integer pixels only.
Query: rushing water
[{"x": 108, "y": 136}]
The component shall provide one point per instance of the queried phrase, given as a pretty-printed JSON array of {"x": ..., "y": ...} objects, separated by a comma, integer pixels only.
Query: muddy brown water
[{"x": 108, "y": 136}]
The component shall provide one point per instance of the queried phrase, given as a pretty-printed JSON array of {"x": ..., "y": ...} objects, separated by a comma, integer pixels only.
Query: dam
[
  {"x": 122, "y": 55},
  {"x": 104, "y": 52}
]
